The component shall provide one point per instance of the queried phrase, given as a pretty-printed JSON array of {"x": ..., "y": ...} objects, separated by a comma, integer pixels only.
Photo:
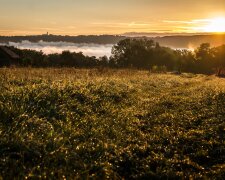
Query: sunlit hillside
[{"x": 68, "y": 123}]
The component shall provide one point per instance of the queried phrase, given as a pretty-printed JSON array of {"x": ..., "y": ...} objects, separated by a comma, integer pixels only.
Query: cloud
[
  {"x": 194, "y": 21},
  {"x": 57, "y": 47},
  {"x": 194, "y": 25},
  {"x": 122, "y": 25}
]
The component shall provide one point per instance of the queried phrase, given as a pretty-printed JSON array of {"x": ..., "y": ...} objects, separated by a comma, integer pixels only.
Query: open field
[{"x": 99, "y": 123}]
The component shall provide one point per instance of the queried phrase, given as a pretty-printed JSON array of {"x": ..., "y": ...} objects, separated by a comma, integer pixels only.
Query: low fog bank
[{"x": 57, "y": 47}]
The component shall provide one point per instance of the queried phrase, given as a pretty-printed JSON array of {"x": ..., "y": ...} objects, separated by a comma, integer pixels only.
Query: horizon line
[{"x": 128, "y": 34}]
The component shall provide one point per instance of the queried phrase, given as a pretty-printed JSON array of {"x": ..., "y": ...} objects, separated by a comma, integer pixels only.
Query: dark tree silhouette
[
  {"x": 135, "y": 53},
  {"x": 219, "y": 59}
]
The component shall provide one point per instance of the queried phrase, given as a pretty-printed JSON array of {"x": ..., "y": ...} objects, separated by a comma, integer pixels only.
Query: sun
[{"x": 215, "y": 25}]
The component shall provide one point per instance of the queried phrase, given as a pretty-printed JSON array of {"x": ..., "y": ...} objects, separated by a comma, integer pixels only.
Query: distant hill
[
  {"x": 101, "y": 39},
  {"x": 160, "y": 34},
  {"x": 174, "y": 41},
  {"x": 190, "y": 41}
]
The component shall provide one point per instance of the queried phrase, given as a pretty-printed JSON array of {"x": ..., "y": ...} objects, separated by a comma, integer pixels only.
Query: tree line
[{"x": 135, "y": 53}]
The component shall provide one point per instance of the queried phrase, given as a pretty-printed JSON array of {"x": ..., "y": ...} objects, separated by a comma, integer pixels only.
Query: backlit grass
[{"x": 100, "y": 123}]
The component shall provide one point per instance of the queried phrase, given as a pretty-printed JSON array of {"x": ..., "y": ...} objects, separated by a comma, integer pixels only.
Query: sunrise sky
[{"x": 74, "y": 17}]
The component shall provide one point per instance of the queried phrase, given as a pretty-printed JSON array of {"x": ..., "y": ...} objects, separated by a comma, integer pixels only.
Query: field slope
[{"x": 69, "y": 123}]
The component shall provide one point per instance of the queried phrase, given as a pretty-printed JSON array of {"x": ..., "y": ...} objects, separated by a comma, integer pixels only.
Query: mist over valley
[{"x": 88, "y": 49}]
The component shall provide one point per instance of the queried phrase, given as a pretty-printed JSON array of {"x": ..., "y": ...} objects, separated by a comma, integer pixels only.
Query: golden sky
[{"x": 74, "y": 17}]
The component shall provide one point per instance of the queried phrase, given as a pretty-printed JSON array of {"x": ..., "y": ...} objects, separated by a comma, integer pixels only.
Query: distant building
[{"x": 8, "y": 57}]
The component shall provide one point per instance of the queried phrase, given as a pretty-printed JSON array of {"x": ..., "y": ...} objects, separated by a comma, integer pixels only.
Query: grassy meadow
[{"x": 100, "y": 123}]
